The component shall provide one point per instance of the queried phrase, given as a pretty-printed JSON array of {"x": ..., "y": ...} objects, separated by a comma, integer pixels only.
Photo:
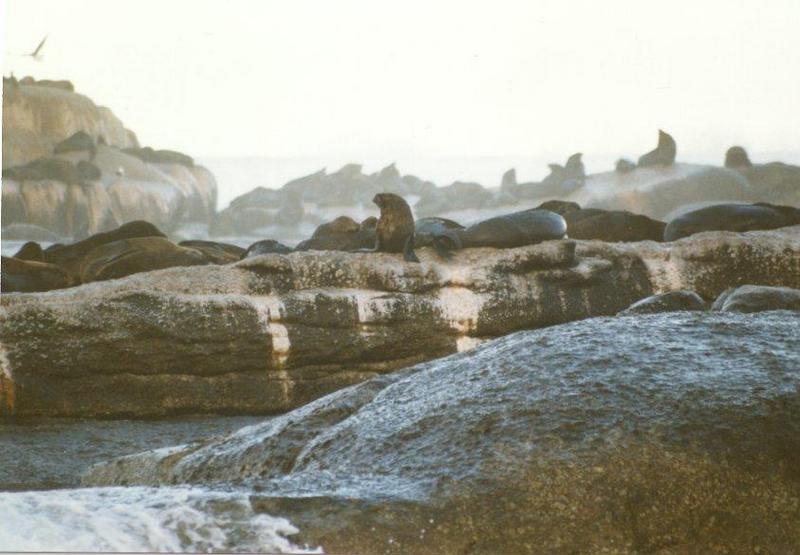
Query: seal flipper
[{"x": 408, "y": 250}]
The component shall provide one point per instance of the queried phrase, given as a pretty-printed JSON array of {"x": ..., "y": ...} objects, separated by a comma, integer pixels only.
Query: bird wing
[{"x": 35, "y": 52}]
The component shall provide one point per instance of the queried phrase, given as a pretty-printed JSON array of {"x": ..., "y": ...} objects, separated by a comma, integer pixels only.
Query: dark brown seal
[{"x": 395, "y": 230}]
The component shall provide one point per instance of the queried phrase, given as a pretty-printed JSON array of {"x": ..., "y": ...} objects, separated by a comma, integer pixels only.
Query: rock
[
  {"x": 736, "y": 158},
  {"x": 88, "y": 171},
  {"x": 45, "y": 168},
  {"x": 26, "y": 276},
  {"x": 757, "y": 298},
  {"x": 732, "y": 217},
  {"x": 56, "y": 176},
  {"x": 606, "y": 225},
  {"x": 36, "y": 118},
  {"x": 662, "y": 192},
  {"x": 456, "y": 196},
  {"x": 140, "y": 254},
  {"x": 80, "y": 141},
  {"x": 216, "y": 253},
  {"x": 663, "y": 154},
  {"x": 562, "y": 440},
  {"x": 666, "y": 302},
  {"x": 776, "y": 183},
  {"x": 147, "y": 154},
  {"x": 272, "y": 332},
  {"x": 266, "y": 246}
]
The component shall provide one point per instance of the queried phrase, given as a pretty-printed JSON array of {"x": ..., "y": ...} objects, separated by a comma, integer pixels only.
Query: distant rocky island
[{"x": 71, "y": 169}]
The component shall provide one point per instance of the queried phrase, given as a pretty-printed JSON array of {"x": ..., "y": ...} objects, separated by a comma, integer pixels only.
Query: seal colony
[{"x": 139, "y": 246}]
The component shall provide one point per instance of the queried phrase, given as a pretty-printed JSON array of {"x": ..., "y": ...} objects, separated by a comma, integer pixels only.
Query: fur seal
[
  {"x": 612, "y": 226},
  {"x": 30, "y": 251},
  {"x": 732, "y": 217},
  {"x": 132, "y": 256},
  {"x": 565, "y": 179},
  {"x": 663, "y": 154},
  {"x": 439, "y": 233},
  {"x": 736, "y": 158},
  {"x": 29, "y": 276},
  {"x": 266, "y": 246},
  {"x": 395, "y": 229},
  {"x": 342, "y": 224},
  {"x": 70, "y": 257},
  {"x": 341, "y": 234},
  {"x": 517, "y": 229},
  {"x": 216, "y": 253}
]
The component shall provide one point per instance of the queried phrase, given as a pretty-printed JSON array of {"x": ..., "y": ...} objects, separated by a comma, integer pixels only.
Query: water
[
  {"x": 44, "y": 453},
  {"x": 42, "y": 462},
  {"x": 140, "y": 519}
]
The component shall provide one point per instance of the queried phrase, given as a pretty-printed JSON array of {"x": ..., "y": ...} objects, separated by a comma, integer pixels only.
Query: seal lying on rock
[
  {"x": 28, "y": 276},
  {"x": 30, "y": 251},
  {"x": 70, "y": 257},
  {"x": 217, "y": 253},
  {"x": 501, "y": 232},
  {"x": 342, "y": 224},
  {"x": 267, "y": 246},
  {"x": 732, "y": 217},
  {"x": 664, "y": 153},
  {"x": 613, "y": 226},
  {"x": 341, "y": 234},
  {"x": 395, "y": 229},
  {"x": 140, "y": 254}
]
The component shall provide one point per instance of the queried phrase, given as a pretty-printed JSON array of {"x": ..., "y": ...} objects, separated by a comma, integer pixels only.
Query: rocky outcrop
[
  {"x": 272, "y": 332},
  {"x": 70, "y": 167},
  {"x": 37, "y": 117},
  {"x": 758, "y": 298},
  {"x": 563, "y": 440}
]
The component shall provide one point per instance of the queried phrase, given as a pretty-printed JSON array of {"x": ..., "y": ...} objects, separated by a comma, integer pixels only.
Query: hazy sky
[{"x": 373, "y": 79}]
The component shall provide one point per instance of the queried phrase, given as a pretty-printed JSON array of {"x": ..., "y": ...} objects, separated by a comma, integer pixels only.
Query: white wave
[{"x": 139, "y": 519}]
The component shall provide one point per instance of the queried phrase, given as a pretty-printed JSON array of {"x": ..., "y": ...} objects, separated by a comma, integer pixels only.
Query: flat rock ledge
[{"x": 274, "y": 332}]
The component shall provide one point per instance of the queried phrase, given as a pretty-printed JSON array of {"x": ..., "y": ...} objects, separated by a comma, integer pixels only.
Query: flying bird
[{"x": 36, "y": 54}]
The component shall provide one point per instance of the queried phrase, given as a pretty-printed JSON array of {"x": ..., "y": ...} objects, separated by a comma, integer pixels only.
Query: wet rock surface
[
  {"x": 755, "y": 298},
  {"x": 580, "y": 437},
  {"x": 667, "y": 302},
  {"x": 274, "y": 331}
]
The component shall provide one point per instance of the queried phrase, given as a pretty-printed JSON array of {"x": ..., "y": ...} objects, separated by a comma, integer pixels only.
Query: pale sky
[{"x": 352, "y": 78}]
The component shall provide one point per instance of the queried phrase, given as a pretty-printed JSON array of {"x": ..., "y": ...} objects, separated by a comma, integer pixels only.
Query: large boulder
[
  {"x": 71, "y": 168},
  {"x": 758, "y": 298},
  {"x": 563, "y": 440},
  {"x": 273, "y": 332},
  {"x": 37, "y": 117}
]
